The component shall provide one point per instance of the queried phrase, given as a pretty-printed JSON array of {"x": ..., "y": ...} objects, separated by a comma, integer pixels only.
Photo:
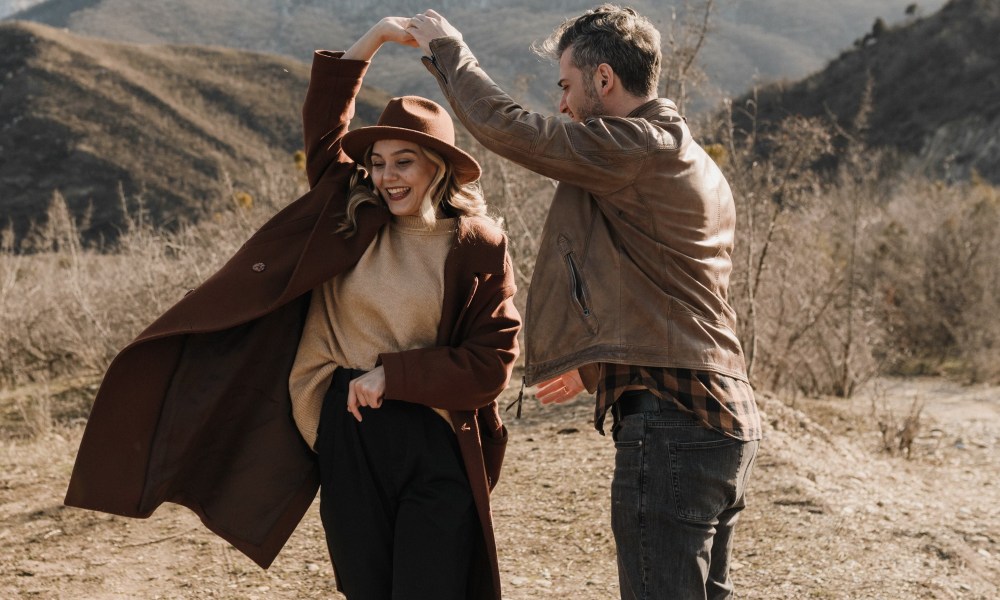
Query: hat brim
[{"x": 356, "y": 143}]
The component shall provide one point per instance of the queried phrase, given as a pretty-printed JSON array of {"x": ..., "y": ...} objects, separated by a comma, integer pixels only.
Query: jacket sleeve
[
  {"x": 601, "y": 155},
  {"x": 329, "y": 106},
  {"x": 473, "y": 373}
]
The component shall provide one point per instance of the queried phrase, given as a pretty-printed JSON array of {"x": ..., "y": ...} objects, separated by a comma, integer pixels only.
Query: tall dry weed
[{"x": 67, "y": 308}]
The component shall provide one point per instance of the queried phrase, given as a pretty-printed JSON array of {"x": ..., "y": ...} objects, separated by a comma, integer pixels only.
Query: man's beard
[{"x": 594, "y": 106}]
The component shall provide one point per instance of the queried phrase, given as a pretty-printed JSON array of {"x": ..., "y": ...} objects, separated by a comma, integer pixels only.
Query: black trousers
[{"x": 395, "y": 501}]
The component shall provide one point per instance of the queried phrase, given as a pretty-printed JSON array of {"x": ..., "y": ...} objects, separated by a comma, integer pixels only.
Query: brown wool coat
[{"x": 196, "y": 410}]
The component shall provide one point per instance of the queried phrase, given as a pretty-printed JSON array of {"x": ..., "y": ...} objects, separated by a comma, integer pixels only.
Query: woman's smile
[
  {"x": 403, "y": 175},
  {"x": 396, "y": 193}
]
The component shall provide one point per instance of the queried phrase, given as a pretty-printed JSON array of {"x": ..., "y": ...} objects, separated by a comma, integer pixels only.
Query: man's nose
[{"x": 563, "y": 107}]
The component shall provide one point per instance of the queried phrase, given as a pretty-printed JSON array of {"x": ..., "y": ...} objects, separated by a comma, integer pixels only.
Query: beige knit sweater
[{"x": 389, "y": 302}]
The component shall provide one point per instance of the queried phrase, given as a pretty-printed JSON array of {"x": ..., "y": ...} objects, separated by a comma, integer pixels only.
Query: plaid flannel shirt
[{"x": 719, "y": 402}]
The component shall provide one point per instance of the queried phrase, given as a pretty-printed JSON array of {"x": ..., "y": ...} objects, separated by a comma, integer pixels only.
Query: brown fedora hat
[{"x": 416, "y": 120}]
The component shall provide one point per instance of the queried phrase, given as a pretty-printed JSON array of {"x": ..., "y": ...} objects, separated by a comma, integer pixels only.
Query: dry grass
[{"x": 65, "y": 310}]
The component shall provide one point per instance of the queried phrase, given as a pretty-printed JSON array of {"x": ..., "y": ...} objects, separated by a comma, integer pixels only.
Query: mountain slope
[
  {"x": 751, "y": 40},
  {"x": 87, "y": 117},
  {"x": 935, "y": 90}
]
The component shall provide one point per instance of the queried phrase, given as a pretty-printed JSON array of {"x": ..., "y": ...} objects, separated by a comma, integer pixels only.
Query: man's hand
[
  {"x": 429, "y": 26},
  {"x": 367, "y": 390},
  {"x": 560, "y": 389}
]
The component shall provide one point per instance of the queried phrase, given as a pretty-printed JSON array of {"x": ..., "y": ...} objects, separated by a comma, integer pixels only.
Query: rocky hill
[
  {"x": 751, "y": 40},
  {"x": 169, "y": 124},
  {"x": 935, "y": 90}
]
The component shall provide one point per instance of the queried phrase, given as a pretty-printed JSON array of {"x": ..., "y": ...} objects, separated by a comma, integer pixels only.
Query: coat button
[{"x": 259, "y": 267}]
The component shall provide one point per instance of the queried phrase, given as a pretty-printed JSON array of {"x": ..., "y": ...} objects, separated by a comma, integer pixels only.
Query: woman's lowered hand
[{"x": 367, "y": 390}]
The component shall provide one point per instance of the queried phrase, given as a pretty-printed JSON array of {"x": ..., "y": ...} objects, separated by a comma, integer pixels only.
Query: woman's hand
[
  {"x": 389, "y": 29},
  {"x": 393, "y": 29},
  {"x": 367, "y": 390}
]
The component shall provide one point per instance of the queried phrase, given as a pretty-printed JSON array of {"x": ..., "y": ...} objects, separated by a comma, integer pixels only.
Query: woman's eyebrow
[{"x": 401, "y": 151}]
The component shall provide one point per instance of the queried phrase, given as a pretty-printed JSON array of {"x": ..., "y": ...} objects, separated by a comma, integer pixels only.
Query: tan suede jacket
[{"x": 634, "y": 261}]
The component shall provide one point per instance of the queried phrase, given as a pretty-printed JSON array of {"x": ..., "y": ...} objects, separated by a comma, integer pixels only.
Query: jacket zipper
[
  {"x": 578, "y": 293},
  {"x": 576, "y": 284}
]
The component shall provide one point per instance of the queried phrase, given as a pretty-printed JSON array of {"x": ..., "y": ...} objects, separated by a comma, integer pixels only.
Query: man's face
[{"x": 579, "y": 100}]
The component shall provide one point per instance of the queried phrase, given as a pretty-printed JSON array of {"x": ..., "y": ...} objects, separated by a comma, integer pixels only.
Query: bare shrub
[
  {"x": 807, "y": 278},
  {"x": 681, "y": 74},
  {"x": 66, "y": 309},
  {"x": 898, "y": 432},
  {"x": 937, "y": 261},
  {"x": 522, "y": 200},
  {"x": 35, "y": 412}
]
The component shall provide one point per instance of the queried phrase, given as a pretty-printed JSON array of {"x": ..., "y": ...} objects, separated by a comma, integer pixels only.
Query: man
[{"x": 629, "y": 292}]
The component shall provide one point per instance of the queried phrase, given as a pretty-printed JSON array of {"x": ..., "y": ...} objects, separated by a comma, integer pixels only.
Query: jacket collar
[{"x": 653, "y": 109}]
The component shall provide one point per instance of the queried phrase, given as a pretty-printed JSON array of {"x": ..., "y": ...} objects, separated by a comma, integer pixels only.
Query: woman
[{"x": 198, "y": 410}]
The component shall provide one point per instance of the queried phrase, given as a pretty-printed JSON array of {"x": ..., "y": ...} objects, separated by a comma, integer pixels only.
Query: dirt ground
[{"x": 830, "y": 515}]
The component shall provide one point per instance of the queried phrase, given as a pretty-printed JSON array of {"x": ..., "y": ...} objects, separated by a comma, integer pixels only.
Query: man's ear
[{"x": 604, "y": 79}]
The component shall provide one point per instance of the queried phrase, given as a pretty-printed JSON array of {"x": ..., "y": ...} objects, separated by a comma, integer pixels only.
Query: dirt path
[{"x": 830, "y": 516}]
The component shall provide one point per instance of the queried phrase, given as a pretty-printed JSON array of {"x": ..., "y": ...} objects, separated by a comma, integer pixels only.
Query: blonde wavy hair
[{"x": 446, "y": 194}]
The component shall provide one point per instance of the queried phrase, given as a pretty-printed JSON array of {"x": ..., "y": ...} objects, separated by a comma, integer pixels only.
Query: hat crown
[
  {"x": 418, "y": 120},
  {"x": 419, "y": 114}
]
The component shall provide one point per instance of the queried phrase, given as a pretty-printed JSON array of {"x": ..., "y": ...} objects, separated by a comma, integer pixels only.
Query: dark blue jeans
[{"x": 676, "y": 495}]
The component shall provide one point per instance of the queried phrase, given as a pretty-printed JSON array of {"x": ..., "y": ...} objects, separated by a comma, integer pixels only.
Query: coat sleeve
[
  {"x": 601, "y": 155},
  {"x": 328, "y": 108},
  {"x": 473, "y": 373}
]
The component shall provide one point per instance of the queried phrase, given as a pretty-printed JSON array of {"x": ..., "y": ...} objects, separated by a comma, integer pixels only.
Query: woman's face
[{"x": 402, "y": 173}]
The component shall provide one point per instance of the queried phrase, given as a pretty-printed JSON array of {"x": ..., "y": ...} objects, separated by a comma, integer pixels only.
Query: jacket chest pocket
[{"x": 579, "y": 294}]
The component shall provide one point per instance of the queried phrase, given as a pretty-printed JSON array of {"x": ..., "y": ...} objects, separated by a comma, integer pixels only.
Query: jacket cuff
[
  {"x": 329, "y": 64},
  {"x": 395, "y": 374}
]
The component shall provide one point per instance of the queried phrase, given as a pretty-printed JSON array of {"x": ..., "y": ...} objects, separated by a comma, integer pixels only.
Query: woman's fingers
[
  {"x": 367, "y": 390},
  {"x": 352, "y": 402}
]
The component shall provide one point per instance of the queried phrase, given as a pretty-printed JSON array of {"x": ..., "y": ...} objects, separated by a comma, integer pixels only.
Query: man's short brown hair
[{"x": 611, "y": 34}]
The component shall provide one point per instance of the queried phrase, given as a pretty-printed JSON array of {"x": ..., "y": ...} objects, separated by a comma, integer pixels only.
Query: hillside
[
  {"x": 935, "y": 90},
  {"x": 752, "y": 40},
  {"x": 88, "y": 117}
]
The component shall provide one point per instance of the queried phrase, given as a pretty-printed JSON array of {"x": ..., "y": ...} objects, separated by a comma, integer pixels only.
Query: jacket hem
[{"x": 535, "y": 373}]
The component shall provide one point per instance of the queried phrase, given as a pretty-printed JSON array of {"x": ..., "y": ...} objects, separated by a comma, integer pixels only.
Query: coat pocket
[
  {"x": 578, "y": 291},
  {"x": 492, "y": 441},
  {"x": 494, "y": 444}
]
